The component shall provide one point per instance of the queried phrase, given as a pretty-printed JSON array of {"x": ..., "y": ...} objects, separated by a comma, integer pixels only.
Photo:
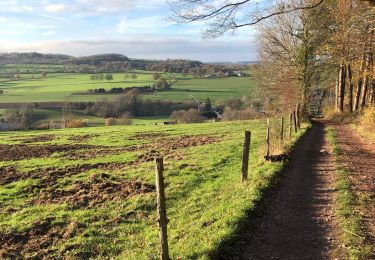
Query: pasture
[
  {"x": 89, "y": 193},
  {"x": 58, "y": 87}
]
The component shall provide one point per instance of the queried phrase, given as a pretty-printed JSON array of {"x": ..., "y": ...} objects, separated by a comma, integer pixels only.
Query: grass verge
[{"x": 347, "y": 207}]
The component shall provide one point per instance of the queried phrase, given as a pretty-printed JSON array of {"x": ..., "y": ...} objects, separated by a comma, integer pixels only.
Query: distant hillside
[
  {"x": 98, "y": 59},
  {"x": 33, "y": 58},
  {"x": 100, "y": 62},
  {"x": 232, "y": 63}
]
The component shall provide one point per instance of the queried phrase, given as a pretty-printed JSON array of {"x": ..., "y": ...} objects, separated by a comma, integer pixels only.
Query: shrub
[
  {"x": 189, "y": 116},
  {"x": 125, "y": 119},
  {"x": 76, "y": 124},
  {"x": 110, "y": 121},
  {"x": 368, "y": 118},
  {"x": 43, "y": 125},
  {"x": 245, "y": 114}
]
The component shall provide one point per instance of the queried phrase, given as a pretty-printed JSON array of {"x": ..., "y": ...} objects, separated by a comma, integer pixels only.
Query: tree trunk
[
  {"x": 337, "y": 95},
  {"x": 365, "y": 81},
  {"x": 349, "y": 70},
  {"x": 359, "y": 86},
  {"x": 341, "y": 87},
  {"x": 372, "y": 100}
]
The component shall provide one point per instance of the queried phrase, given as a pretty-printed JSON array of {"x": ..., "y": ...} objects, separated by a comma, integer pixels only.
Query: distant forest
[{"x": 101, "y": 62}]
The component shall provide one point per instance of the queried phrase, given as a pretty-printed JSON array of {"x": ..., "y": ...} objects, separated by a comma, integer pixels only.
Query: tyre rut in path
[{"x": 298, "y": 221}]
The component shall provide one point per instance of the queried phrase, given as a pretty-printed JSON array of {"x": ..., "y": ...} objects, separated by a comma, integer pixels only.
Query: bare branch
[{"x": 224, "y": 17}]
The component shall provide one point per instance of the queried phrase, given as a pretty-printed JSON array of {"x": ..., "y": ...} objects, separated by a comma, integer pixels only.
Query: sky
[{"x": 136, "y": 28}]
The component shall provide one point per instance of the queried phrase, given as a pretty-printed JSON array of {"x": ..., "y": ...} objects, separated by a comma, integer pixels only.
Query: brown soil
[
  {"x": 50, "y": 175},
  {"x": 358, "y": 155},
  {"x": 34, "y": 241},
  {"x": 142, "y": 136},
  {"x": 100, "y": 188},
  {"x": 37, "y": 241},
  {"x": 82, "y": 138},
  {"x": 36, "y": 139},
  {"x": 298, "y": 222},
  {"x": 167, "y": 147},
  {"x": 22, "y": 152}
]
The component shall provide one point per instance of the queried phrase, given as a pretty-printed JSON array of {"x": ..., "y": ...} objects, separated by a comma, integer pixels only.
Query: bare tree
[
  {"x": 289, "y": 68},
  {"x": 222, "y": 16}
]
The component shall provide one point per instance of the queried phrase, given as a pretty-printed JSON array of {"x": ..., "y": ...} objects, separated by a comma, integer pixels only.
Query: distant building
[{"x": 242, "y": 74}]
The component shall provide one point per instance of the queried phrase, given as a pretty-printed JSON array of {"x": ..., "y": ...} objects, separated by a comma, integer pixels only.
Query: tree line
[{"x": 312, "y": 52}]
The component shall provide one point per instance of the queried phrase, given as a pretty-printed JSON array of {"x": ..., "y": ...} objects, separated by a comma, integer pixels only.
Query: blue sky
[{"x": 136, "y": 28}]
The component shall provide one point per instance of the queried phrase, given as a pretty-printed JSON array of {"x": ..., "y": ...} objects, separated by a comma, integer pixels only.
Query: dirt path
[
  {"x": 358, "y": 155},
  {"x": 298, "y": 222}
]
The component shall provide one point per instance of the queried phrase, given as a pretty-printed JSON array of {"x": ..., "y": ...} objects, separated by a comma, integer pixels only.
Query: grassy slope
[
  {"x": 205, "y": 198},
  {"x": 64, "y": 87}
]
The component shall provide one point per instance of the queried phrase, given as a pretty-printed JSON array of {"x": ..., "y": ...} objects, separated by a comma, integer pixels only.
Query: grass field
[
  {"x": 89, "y": 193},
  {"x": 71, "y": 87}
]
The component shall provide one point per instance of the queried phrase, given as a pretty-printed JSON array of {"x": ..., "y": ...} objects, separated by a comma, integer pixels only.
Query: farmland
[
  {"x": 90, "y": 192},
  {"x": 59, "y": 87}
]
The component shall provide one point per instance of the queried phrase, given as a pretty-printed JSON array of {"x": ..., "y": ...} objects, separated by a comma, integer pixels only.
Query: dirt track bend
[{"x": 298, "y": 222}]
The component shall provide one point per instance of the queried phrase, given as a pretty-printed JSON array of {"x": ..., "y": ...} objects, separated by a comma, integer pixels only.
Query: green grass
[
  {"x": 57, "y": 87},
  {"x": 348, "y": 207},
  {"x": 205, "y": 199}
]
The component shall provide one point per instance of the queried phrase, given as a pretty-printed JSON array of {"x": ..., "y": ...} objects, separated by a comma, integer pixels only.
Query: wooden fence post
[
  {"x": 295, "y": 121},
  {"x": 162, "y": 212},
  {"x": 298, "y": 115},
  {"x": 245, "y": 156},
  {"x": 290, "y": 124},
  {"x": 268, "y": 138},
  {"x": 282, "y": 130}
]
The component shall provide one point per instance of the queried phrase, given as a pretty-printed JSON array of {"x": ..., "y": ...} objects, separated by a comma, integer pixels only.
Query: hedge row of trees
[
  {"x": 133, "y": 103},
  {"x": 144, "y": 89}
]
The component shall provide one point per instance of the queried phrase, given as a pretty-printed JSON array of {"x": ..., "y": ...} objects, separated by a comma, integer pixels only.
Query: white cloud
[
  {"x": 143, "y": 24},
  {"x": 27, "y": 8},
  {"x": 107, "y": 6},
  {"x": 56, "y": 8},
  {"x": 49, "y": 33}
]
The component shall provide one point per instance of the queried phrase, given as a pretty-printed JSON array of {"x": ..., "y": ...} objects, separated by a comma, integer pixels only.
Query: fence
[{"x": 294, "y": 121}]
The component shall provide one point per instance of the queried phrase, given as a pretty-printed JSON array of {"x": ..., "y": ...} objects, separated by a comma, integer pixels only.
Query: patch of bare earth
[
  {"x": 18, "y": 152},
  {"x": 162, "y": 147},
  {"x": 358, "y": 155},
  {"x": 35, "y": 139},
  {"x": 100, "y": 188},
  {"x": 298, "y": 221},
  {"x": 33, "y": 243},
  {"x": 50, "y": 175},
  {"x": 168, "y": 147},
  {"x": 82, "y": 138},
  {"x": 37, "y": 242}
]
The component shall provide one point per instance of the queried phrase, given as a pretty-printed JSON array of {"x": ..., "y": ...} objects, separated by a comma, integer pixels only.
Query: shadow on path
[{"x": 297, "y": 218}]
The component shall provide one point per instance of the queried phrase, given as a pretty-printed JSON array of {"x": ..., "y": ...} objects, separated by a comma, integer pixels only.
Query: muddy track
[
  {"x": 358, "y": 155},
  {"x": 298, "y": 221}
]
